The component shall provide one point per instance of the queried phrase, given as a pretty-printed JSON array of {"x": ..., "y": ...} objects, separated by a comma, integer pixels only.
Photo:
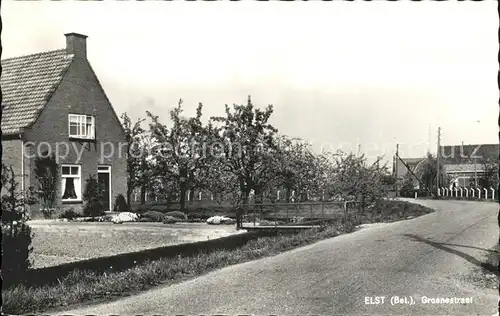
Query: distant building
[
  {"x": 464, "y": 162},
  {"x": 461, "y": 163}
]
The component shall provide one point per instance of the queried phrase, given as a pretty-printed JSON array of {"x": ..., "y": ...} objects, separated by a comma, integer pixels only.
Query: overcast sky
[{"x": 337, "y": 73}]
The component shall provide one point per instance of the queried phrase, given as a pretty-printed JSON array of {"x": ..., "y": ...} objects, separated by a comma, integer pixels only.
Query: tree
[
  {"x": 179, "y": 157},
  {"x": 221, "y": 183},
  {"x": 249, "y": 147},
  {"x": 356, "y": 180},
  {"x": 46, "y": 174},
  {"x": 490, "y": 177},
  {"x": 298, "y": 168},
  {"x": 135, "y": 154}
]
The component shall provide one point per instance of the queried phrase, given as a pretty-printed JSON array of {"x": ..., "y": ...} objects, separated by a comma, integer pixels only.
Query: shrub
[
  {"x": 46, "y": 173},
  {"x": 70, "y": 214},
  {"x": 93, "y": 198},
  {"x": 16, "y": 234},
  {"x": 169, "y": 220},
  {"x": 16, "y": 247},
  {"x": 47, "y": 212},
  {"x": 152, "y": 216},
  {"x": 120, "y": 204},
  {"x": 178, "y": 215}
]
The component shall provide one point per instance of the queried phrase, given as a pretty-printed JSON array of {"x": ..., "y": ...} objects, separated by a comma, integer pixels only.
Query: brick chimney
[{"x": 76, "y": 44}]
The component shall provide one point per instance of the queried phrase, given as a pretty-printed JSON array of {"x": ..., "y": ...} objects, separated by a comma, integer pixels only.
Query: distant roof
[
  {"x": 464, "y": 154},
  {"x": 27, "y": 84},
  {"x": 411, "y": 161}
]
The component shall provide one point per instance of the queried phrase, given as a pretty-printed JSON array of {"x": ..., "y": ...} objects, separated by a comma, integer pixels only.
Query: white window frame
[
  {"x": 81, "y": 121},
  {"x": 77, "y": 182}
]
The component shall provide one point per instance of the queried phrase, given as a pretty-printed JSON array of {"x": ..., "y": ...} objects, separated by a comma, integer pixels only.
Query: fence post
[
  {"x": 323, "y": 212},
  {"x": 254, "y": 215},
  {"x": 275, "y": 211},
  {"x": 261, "y": 214}
]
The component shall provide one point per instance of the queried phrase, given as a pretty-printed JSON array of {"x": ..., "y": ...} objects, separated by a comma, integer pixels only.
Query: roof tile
[{"x": 27, "y": 84}]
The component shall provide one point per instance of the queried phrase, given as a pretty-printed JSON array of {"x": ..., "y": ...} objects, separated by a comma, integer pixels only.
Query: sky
[{"x": 342, "y": 75}]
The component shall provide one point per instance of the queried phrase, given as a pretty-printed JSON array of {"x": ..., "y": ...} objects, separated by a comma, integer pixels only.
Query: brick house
[{"x": 53, "y": 103}]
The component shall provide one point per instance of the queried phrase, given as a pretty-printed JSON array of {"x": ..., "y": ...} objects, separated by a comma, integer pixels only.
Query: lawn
[{"x": 60, "y": 242}]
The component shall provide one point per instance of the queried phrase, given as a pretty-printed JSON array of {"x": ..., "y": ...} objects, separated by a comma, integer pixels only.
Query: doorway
[{"x": 104, "y": 178}]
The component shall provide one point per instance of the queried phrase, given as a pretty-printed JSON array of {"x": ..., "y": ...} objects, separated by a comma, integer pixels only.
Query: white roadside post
[
  {"x": 473, "y": 192},
  {"x": 492, "y": 193},
  {"x": 438, "y": 192},
  {"x": 466, "y": 192},
  {"x": 211, "y": 196},
  {"x": 485, "y": 193},
  {"x": 456, "y": 192},
  {"x": 199, "y": 196},
  {"x": 416, "y": 195},
  {"x": 461, "y": 192},
  {"x": 478, "y": 193}
]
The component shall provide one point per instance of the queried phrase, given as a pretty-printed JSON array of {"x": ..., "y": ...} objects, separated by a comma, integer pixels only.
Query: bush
[
  {"x": 152, "y": 216},
  {"x": 16, "y": 234},
  {"x": 93, "y": 198},
  {"x": 178, "y": 215},
  {"x": 16, "y": 247},
  {"x": 120, "y": 204},
  {"x": 70, "y": 214},
  {"x": 47, "y": 212},
  {"x": 170, "y": 220}
]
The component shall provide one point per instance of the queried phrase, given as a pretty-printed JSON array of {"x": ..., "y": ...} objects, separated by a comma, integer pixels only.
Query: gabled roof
[
  {"x": 27, "y": 83},
  {"x": 412, "y": 161}
]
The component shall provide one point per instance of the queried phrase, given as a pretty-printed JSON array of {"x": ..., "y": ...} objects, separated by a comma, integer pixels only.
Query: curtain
[{"x": 69, "y": 189}]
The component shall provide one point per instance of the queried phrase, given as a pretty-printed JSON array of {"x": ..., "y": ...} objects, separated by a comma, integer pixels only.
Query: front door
[{"x": 104, "y": 178}]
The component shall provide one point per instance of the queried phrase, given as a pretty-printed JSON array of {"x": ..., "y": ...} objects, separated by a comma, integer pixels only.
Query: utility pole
[
  {"x": 475, "y": 172},
  {"x": 438, "y": 160},
  {"x": 396, "y": 162}
]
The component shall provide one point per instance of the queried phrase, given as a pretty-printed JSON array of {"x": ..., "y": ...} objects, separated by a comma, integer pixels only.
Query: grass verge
[{"x": 83, "y": 286}]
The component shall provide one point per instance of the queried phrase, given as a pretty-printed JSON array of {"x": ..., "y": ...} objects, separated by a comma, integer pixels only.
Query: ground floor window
[{"x": 71, "y": 182}]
